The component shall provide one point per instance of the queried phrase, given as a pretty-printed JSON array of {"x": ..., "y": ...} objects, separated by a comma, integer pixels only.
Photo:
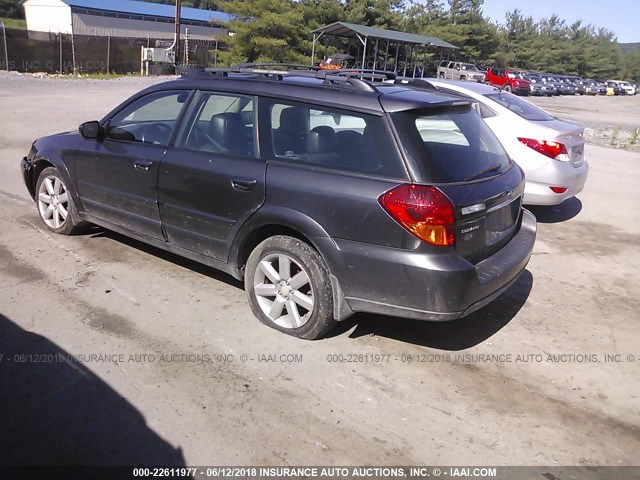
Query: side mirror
[{"x": 91, "y": 130}]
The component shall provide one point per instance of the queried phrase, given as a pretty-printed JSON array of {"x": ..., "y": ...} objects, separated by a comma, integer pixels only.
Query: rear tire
[
  {"x": 55, "y": 205},
  {"x": 289, "y": 288}
]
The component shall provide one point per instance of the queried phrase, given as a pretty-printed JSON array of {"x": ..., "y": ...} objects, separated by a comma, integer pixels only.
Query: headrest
[
  {"x": 321, "y": 140},
  {"x": 349, "y": 138},
  {"x": 225, "y": 128},
  {"x": 295, "y": 120}
]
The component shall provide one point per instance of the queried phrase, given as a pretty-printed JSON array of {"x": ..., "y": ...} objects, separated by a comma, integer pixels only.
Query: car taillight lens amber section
[
  {"x": 545, "y": 147},
  {"x": 422, "y": 210}
]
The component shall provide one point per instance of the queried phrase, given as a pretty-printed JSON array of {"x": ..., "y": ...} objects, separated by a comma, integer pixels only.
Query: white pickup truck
[{"x": 460, "y": 71}]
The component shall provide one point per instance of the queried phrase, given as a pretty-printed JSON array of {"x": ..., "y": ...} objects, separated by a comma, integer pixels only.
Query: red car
[{"x": 509, "y": 80}]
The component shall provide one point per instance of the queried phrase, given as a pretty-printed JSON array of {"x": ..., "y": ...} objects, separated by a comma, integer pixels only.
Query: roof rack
[
  {"x": 274, "y": 66},
  {"x": 361, "y": 73},
  {"x": 265, "y": 69},
  {"x": 332, "y": 78}
]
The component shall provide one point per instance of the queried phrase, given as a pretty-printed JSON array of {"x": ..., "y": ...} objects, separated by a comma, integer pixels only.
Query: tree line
[{"x": 280, "y": 31}]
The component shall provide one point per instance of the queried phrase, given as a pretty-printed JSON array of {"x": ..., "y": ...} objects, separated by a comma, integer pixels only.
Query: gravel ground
[
  {"x": 524, "y": 381},
  {"x": 609, "y": 121}
]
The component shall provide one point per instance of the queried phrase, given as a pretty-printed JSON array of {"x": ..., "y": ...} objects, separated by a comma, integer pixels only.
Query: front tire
[
  {"x": 55, "y": 204},
  {"x": 507, "y": 88},
  {"x": 289, "y": 287}
]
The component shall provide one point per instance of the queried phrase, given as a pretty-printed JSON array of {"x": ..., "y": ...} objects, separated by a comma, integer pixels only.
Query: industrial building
[{"x": 120, "y": 18}]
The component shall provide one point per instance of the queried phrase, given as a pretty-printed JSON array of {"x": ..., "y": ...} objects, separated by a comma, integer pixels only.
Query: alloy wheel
[
  {"x": 283, "y": 290},
  {"x": 53, "y": 202}
]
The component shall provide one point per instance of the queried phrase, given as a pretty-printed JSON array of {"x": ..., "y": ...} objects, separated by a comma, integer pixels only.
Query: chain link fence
[{"x": 62, "y": 53}]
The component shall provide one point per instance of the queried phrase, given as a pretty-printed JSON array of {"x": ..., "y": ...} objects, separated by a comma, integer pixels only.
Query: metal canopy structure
[{"x": 415, "y": 47}]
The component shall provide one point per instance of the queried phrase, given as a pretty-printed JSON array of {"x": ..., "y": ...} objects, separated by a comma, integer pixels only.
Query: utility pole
[
  {"x": 177, "y": 32},
  {"x": 6, "y": 53},
  {"x": 108, "y": 51}
]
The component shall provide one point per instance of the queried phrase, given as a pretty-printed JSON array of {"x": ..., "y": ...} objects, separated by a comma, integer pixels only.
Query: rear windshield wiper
[{"x": 493, "y": 168}]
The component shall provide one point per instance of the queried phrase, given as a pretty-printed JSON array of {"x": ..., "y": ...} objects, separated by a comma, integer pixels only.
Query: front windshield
[
  {"x": 520, "y": 107},
  {"x": 469, "y": 66}
]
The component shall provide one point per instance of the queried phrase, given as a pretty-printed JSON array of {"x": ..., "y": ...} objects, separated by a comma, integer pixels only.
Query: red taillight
[
  {"x": 545, "y": 147},
  {"x": 558, "y": 189},
  {"x": 424, "y": 211}
]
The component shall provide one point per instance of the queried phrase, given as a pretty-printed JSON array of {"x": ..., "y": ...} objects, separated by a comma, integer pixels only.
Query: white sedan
[{"x": 549, "y": 150}]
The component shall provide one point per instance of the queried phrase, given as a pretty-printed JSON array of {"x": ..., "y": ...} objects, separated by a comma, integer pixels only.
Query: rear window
[
  {"x": 520, "y": 107},
  {"x": 450, "y": 145}
]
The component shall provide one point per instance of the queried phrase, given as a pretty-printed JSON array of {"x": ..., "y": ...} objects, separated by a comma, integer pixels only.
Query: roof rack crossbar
[
  {"x": 213, "y": 72},
  {"x": 360, "y": 73},
  {"x": 273, "y": 65}
]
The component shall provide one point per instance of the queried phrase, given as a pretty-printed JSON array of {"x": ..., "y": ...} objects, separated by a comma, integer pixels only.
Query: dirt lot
[
  {"x": 182, "y": 373},
  {"x": 609, "y": 121}
]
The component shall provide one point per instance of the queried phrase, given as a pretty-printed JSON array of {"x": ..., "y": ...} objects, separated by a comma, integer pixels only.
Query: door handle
[
  {"x": 244, "y": 184},
  {"x": 142, "y": 165}
]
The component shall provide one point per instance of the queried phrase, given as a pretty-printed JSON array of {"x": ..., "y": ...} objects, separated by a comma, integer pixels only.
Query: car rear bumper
[
  {"x": 441, "y": 286},
  {"x": 537, "y": 189}
]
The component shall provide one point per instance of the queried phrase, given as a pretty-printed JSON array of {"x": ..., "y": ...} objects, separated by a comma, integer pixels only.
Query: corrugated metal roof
[
  {"x": 344, "y": 29},
  {"x": 151, "y": 9}
]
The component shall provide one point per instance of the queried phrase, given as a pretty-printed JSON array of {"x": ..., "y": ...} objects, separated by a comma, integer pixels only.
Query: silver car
[{"x": 549, "y": 150}]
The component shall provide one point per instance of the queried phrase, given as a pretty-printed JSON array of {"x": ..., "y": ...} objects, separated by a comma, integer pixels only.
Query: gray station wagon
[{"x": 327, "y": 192}]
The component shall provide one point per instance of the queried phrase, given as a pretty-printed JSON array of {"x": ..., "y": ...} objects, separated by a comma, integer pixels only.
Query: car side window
[
  {"x": 222, "y": 123},
  {"x": 333, "y": 138},
  {"x": 486, "y": 112},
  {"x": 150, "y": 119}
]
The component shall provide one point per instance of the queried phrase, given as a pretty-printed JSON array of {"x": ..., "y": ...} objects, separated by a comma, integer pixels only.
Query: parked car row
[{"x": 546, "y": 84}]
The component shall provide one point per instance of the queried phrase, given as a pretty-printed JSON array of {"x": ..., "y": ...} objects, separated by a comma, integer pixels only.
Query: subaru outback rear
[{"x": 418, "y": 208}]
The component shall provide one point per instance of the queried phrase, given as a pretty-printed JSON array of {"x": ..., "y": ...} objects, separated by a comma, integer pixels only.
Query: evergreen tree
[{"x": 266, "y": 31}]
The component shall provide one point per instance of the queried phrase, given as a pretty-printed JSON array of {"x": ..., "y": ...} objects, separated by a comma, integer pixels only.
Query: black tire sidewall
[{"x": 322, "y": 320}]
